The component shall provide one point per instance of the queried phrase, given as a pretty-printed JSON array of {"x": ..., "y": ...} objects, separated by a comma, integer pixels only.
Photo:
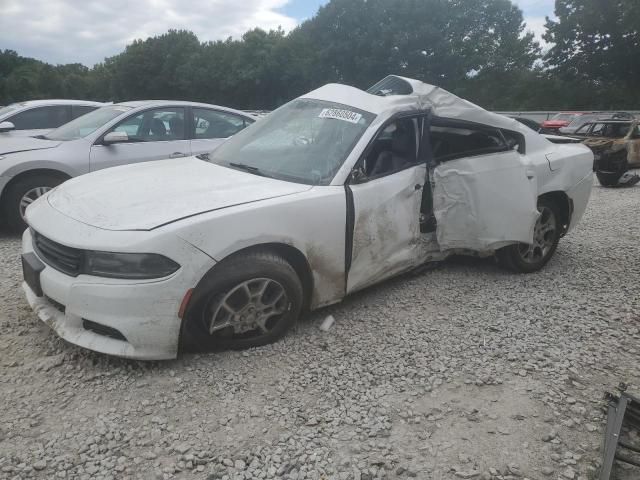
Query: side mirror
[
  {"x": 115, "y": 137},
  {"x": 6, "y": 126}
]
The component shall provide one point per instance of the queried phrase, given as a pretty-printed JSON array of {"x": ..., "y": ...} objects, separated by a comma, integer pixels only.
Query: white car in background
[
  {"x": 335, "y": 191},
  {"x": 37, "y": 117},
  {"x": 118, "y": 134}
]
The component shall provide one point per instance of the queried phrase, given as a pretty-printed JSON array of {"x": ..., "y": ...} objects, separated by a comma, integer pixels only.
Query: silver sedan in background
[
  {"x": 113, "y": 135},
  {"x": 37, "y": 117}
]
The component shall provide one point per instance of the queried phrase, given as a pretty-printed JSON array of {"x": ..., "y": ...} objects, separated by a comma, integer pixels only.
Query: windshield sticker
[{"x": 337, "y": 114}]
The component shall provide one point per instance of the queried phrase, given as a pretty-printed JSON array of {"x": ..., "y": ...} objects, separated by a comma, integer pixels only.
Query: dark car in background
[
  {"x": 532, "y": 124},
  {"x": 582, "y": 120}
]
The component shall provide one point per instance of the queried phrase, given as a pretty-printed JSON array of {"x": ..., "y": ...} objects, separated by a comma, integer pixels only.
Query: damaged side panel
[
  {"x": 386, "y": 238},
  {"x": 485, "y": 202}
]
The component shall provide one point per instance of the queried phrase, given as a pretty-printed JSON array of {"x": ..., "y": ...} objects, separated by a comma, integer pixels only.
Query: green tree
[
  {"x": 154, "y": 68},
  {"x": 596, "y": 40},
  {"x": 438, "y": 41}
]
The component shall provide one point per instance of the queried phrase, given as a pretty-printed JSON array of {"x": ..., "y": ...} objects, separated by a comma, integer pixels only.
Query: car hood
[
  {"x": 555, "y": 123},
  {"x": 13, "y": 143},
  {"x": 148, "y": 195}
]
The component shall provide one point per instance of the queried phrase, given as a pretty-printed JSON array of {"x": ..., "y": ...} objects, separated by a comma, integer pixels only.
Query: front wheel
[
  {"x": 527, "y": 258},
  {"x": 23, "y": 193},
  {"x": 246, "y": 301}
]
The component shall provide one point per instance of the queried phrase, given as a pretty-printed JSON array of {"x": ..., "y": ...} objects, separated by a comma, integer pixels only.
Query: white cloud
[{"x": 63, "y": 31}]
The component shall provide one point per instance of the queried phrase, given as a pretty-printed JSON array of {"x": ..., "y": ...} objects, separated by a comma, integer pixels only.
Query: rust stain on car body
[{"x": 328, "y": 278}]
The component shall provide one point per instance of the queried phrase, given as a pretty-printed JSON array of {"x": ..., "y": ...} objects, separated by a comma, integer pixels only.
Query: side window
[
  {"x": 450, "y": 141},
  {"x": 79, "y": 110},
  {"x": 161, "y": 124},
  {"x": 515, "y": 141},
  {"x": 617, "y": 130},
  {"x": 41, "y": 117},
  {"x": 583, "y": 130},
  {"x": 394, "y": 149},
  {"x": 216, "y": 124},
  {"x": 598, "y": 130}
]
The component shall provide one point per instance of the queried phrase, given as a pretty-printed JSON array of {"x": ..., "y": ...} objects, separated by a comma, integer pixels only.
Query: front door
[
  {"x": 155, "y": 134},
  {"x": 387, "y": 198}
]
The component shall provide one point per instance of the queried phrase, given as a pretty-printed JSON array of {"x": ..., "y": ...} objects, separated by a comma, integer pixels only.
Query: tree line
[{"x": 478, "y": 49}]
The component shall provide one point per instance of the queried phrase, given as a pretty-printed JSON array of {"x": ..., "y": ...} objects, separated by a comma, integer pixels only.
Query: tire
[
  {"x": 608, "y": 179},
  {"x": 34, "y": 185},
  {"x": 227, "y": 283},
  {"x": 524, "y": 258}
]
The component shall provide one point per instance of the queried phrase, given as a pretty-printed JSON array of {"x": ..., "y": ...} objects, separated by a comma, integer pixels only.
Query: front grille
[
  {"x": 103, "y": 330},
  {"x": 64, "y": 259}
]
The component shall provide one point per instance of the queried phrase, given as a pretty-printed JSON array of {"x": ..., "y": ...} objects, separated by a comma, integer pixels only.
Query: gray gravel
[{"x": 462, "y": 372}]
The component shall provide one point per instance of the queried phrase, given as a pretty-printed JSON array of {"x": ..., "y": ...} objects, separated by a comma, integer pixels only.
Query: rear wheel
[
  {"x": 527, "y": 258},
  {"x": 247, "y": 301},
  {"x": 23, "y": 193}
]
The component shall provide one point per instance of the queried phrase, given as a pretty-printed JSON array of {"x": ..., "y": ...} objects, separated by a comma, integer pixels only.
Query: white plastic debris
[{"x": 327, "y": 323}]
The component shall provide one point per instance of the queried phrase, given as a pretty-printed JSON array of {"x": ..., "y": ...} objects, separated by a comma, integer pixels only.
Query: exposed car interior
[
  {"x": 214, "y": 124},
  {"x": 393, "y": 150},
  {"x": 154, "y": 125}
]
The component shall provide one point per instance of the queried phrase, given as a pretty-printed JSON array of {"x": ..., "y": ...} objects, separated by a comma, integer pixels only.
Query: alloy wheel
[
  {"x": 31, "y": 196},
  {"x": 252, "y": 308},
  {"x": 544, "y": 238}
]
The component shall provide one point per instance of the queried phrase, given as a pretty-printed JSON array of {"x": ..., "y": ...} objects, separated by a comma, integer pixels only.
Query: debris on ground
[
  {"x": 327, "y": 323},
  {"x": 623, "y": 426}
]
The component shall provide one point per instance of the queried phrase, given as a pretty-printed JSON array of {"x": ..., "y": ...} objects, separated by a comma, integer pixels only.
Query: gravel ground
[{"x": 465, "y": 371}]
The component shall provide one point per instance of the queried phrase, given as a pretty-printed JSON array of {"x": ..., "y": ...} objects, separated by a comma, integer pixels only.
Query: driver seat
[{"x": 403, "y": 145}]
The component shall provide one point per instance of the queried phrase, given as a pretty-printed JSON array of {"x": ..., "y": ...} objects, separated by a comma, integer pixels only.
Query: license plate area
[{"x": 31, "y": 269}]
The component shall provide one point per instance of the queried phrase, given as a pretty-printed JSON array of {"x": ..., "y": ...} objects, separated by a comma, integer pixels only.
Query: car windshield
[
  {"x": 8, "y": 109},
  {"x": 304, "y": 141},
  {"x": 86, "y": 124}
]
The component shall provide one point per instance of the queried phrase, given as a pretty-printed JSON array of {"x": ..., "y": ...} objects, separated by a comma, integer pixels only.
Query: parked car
[
  {"x": 560, "y": 120},
  {"x": 37, "y": 117},
  {"x": 532, "y": 124},
  {"x": 337, "y": 190},
  {"x": 117, "y": 134},
  {"x": 623, "y": 134},
  {"x": 592, "y": 117}
]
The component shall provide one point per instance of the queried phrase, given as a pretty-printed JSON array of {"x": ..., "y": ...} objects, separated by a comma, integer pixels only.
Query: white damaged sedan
[{"x": 335, "y": 191}]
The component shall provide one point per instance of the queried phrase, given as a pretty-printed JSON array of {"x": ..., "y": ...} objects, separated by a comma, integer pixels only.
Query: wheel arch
[
  {"x": 564, "y": 204},
  {"x": 32, "y": 173},
  {"x": 291, "y": 254}
]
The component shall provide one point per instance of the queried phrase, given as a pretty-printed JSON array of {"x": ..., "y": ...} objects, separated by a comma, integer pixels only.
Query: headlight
[{"x": 128, "y": 265}]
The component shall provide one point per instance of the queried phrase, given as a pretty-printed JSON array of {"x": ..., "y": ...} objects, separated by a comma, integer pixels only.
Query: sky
[{"x": 87, "y": 31}]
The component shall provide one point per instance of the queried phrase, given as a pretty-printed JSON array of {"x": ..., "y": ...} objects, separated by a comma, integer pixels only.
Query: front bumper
[{"x": 145, "y": 313}]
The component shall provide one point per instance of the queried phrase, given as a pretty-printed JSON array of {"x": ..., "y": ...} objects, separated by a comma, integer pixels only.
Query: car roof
[
  {"x": 181, "y": 103},
  {"x": 423, "y": 97},
  {"x": 614, "y": 121},
  {"x": 44, "y": 103}
]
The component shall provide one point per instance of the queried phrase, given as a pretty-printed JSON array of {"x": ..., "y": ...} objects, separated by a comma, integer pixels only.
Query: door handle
[
  {"x": 177, "y": 155},
  {"x": 417, "y": 187},
  {"x": 530, "y": 174}
]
